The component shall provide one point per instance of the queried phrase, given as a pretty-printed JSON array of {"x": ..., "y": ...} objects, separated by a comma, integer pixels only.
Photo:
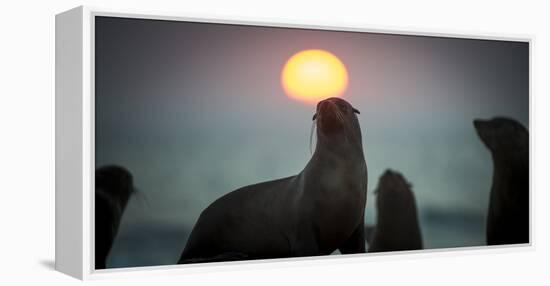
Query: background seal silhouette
[
  {"x": 397, "y": 227},
  {"x": 508, "y": 215}
]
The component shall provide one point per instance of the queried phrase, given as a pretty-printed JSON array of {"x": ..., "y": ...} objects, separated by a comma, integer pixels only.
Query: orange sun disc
[{"x": 314, "y": 75}]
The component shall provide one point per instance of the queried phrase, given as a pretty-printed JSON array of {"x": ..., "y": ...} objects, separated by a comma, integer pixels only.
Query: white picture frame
[{"x": 74, "y": 146}]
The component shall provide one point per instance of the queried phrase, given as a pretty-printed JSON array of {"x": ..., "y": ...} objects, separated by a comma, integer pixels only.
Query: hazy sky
[{"x": 197, "y": 110}]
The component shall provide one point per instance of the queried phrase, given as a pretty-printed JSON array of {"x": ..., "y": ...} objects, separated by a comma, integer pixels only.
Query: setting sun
[{"x": 313, "y": 75}]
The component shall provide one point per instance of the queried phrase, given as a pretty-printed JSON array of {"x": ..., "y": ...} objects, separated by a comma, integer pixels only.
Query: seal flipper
[{"x": 356, "y": 242}]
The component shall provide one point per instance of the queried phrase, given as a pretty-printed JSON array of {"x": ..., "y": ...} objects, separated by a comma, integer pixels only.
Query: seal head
[
  {"x": 508, "y": 213},
  {"x": 504, "y": 137},
  {"x": 337, "y": 122}
]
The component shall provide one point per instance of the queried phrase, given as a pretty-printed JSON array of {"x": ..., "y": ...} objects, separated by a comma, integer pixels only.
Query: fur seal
[
  {"x": 313, "y": 213},
  {"x": 113, "y": 188},
  {"x": 397, "y": 226},
  {"x": 508, "y": 215}
]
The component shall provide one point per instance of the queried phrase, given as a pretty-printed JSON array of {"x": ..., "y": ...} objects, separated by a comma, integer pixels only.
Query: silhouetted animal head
[
  {"x": 336, "y": 120},
  {"x": 505, "y": 137},
  {"x": 116, "y": 183},
  {"x": 393, "y": 194}
]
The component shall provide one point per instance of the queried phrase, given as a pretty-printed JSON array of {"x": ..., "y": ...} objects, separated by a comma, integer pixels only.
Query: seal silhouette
[
  {"x": 397, "y": 226},
  {"x": 508, "y": 215},
  {"x": 313, "y": 213},
  {"x": 113, "y": 188}
]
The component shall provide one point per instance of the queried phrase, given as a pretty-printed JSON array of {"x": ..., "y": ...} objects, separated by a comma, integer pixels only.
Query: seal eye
[
  {"x": 356, "y": 111},
  {"x": 314, "y": 116}
]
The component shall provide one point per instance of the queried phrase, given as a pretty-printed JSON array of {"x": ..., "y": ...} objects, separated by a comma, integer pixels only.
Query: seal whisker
[
  {"x": 311, "y": 137},
  {"x": 141, "y": 198},
  {"x": 339, "y": 115},
  {"x": 341, "y": 119}
]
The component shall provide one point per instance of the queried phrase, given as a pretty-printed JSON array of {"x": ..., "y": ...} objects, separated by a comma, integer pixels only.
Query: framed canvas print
[{"x": 185, "y": 143}]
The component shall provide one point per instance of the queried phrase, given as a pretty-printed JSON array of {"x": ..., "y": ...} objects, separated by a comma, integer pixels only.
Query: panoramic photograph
[{"x": 238, "y": 142}]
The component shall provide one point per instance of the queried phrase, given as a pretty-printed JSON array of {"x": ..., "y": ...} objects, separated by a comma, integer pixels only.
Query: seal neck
[
  {"x": 348, "y": 150},
  {"x": 328, "y": 162}
]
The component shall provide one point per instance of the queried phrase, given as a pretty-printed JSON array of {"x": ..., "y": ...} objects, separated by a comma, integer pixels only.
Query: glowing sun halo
[{"x": 313, "y": 75}]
